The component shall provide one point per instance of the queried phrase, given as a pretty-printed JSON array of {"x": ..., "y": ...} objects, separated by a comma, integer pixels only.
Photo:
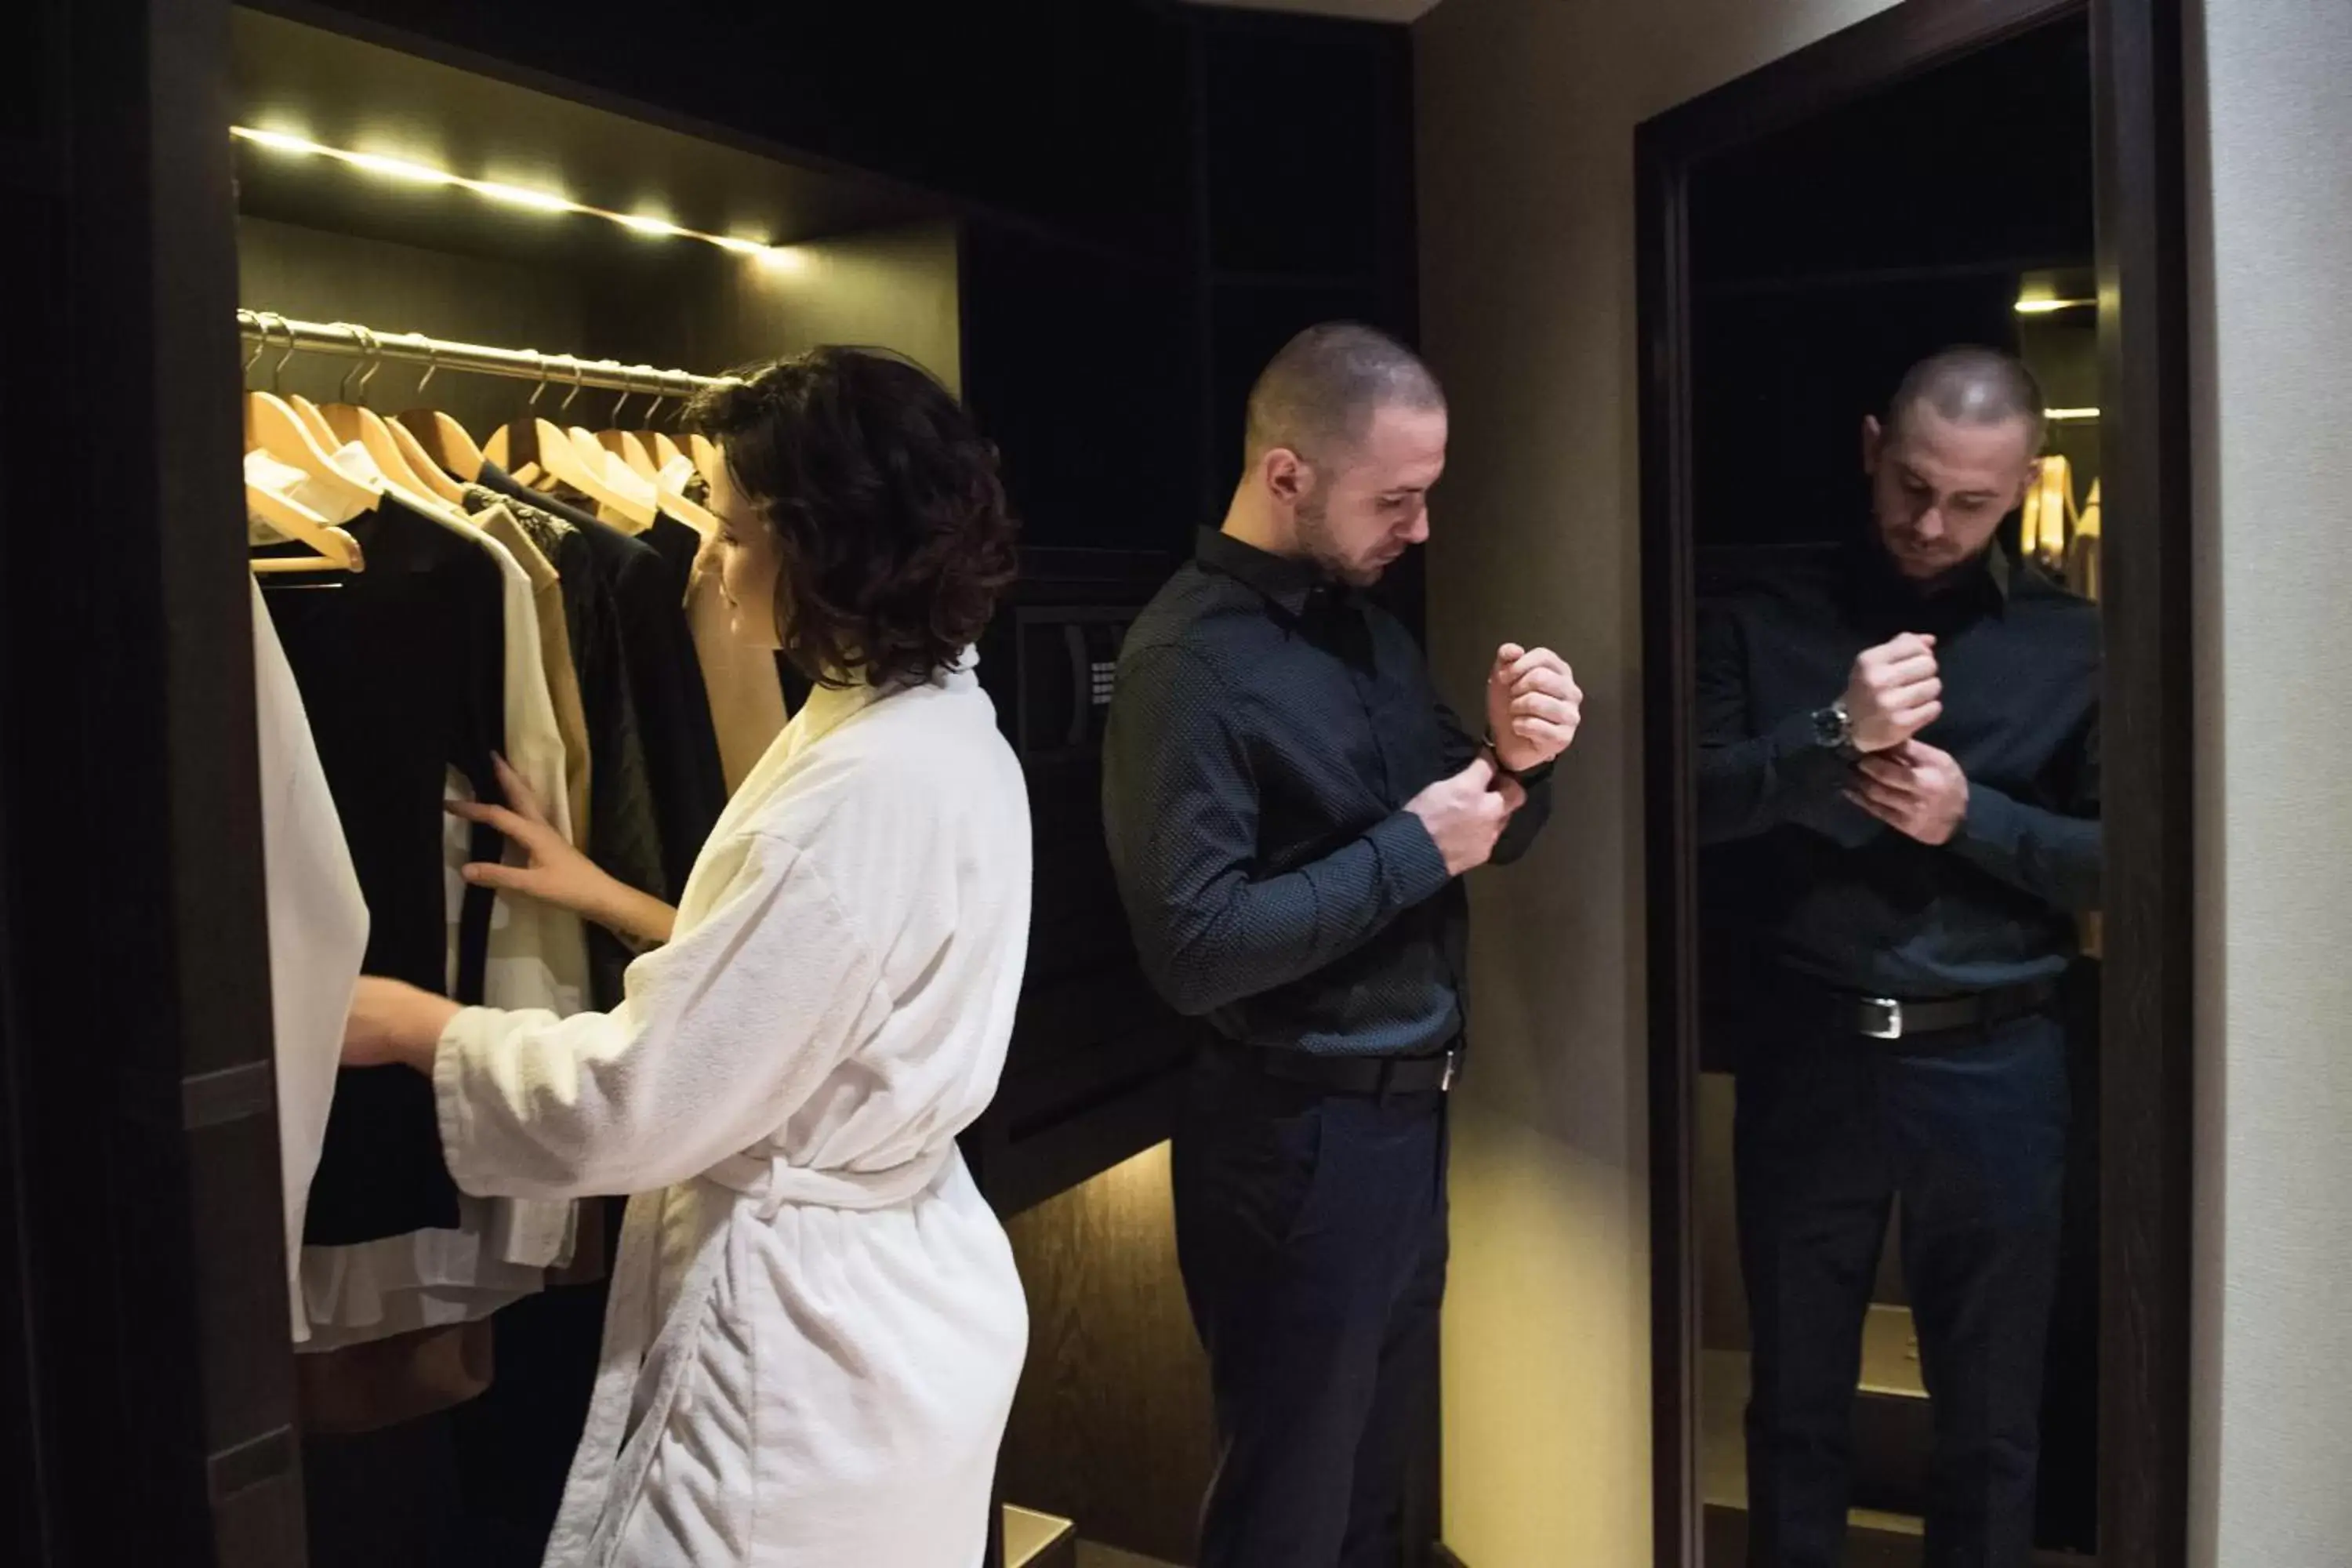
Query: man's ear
[
  {"x": 1287, "y": 475},
  {"x": 1873, "y": 442}
]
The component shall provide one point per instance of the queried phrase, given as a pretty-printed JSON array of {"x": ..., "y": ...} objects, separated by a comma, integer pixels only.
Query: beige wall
[
  {"x": 2272, "y": 131},
  {"x": 1525, "y": 117}
]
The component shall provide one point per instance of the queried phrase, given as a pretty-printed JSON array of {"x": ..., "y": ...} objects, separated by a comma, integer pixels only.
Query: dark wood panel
[
  {"x": 2147, "y": 1067},
  {"x": 1112, "y": 1424},
  {"x": 137, "y": 1025}
]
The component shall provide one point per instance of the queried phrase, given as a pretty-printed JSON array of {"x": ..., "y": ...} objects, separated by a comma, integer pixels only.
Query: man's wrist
[{"x": 1533, "y": 773}]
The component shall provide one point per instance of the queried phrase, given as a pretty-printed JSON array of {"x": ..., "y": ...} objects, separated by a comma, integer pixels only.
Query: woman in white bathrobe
[{"x": 815, "y": 1326}]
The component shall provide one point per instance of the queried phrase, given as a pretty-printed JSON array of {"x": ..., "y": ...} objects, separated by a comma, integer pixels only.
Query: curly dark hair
[{"x": 891, "y": 528}]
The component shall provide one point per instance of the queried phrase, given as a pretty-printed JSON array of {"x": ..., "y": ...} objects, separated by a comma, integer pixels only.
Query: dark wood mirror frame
[{"x": 2144, "y": 1128}]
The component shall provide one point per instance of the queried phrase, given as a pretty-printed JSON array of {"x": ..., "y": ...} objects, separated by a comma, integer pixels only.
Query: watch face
[{"x": 1830, "y": 727}]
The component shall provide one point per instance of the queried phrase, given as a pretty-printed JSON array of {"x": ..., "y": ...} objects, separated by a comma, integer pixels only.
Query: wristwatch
[{"x": 1834, "y": 728}]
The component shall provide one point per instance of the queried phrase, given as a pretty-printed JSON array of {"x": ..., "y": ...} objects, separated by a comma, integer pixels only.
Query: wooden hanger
[
  {"x": 627, "y": 444},
  {"x": 613, "y": 482},
  {"x": 704, "y": 453},
  {"x": 666, "y": 450},
  {"x": 437, "y": 479},
  {"x": 432, "y": 440},
  {"x": 272, "y": 426},
  {"x": 631, "y": 448},
  {"x": 335, "y": 548},
  {"x": 310, "y": 413},
  {"x": 352, "y": 420}
]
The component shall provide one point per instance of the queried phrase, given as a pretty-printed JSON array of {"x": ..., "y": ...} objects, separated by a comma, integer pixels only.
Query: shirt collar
[
  {"x": 1987, "y": 580},
  {"x": 1284, "y": 580}
]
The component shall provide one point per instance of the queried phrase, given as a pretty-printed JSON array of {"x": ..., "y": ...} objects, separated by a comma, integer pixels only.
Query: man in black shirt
[
  {"x": 1289, "y": 807},
  {"x": 1907, "y": 733}
]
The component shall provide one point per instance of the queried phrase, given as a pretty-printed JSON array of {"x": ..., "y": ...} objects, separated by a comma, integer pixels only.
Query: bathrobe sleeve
[{"x": 722, "y": 1035}]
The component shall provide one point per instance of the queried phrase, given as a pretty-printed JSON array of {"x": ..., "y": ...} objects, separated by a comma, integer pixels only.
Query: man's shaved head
[
  {"x": 1954, "y": 457},
  {"x": 1318, "y": 394},
  {"x": 1973, "y": 386}
]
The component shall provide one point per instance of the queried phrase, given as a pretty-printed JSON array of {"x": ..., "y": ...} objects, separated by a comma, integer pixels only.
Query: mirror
[{"x": 1896, "y": 672}]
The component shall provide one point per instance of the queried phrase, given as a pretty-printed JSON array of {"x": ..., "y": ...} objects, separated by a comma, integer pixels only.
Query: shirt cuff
[
  {"x": 455, "y": 1115},
  {"x": 1990, "y": 821},
  {"x": 1412, "y": 870}
]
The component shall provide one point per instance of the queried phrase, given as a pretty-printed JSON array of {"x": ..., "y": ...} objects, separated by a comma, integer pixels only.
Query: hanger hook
[
  {"x": 653, "y": 409},
  {"x": 260, "y": 341},
  {"x": 371, "y": 360},
  {"x": 542, "y": 377},
  {"x": 279, "y": 370},
  {"x": 432, "y": 364},
  {"x": 628, "y": 390},
  {"x": 343, "y": 386},
  {"x": 578, "y": 380}
]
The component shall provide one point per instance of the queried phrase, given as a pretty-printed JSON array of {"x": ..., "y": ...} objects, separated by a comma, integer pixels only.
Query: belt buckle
[{"x": 1889, "y": 1025}]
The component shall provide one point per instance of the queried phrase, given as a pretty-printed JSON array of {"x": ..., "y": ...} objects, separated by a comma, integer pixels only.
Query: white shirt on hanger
[{"x": 318, "y": 932}]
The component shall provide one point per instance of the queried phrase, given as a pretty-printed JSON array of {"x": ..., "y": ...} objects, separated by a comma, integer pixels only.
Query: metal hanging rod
[{"x": 266, "y": 329}]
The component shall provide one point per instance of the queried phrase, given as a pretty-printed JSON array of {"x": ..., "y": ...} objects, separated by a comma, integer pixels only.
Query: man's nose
[
  {"x": 1931, "y": 522},
  {"x": 1418, "y": 532}
]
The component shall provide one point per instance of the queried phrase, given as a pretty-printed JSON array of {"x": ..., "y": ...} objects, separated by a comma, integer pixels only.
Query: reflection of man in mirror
[
  {"x": 1290, "y": 810},
  {"x": 1911, "y": 737}
]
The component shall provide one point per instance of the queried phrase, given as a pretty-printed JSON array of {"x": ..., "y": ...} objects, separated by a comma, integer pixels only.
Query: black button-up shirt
[
  {"x": 1268, "y": 726},
  {"x": 1837, "y": 896}
]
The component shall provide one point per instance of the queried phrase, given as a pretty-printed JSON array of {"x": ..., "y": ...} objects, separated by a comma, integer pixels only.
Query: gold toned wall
[{"x": 1525, "y": 112}]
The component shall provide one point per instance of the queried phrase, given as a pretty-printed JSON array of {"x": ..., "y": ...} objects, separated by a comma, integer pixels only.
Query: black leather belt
[
  {"x": 1890, "y": 1018},
  {"x": 1378, "y": 1077}
]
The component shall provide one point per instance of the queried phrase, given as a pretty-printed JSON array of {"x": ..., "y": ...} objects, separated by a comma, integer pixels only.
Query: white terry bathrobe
[{"x": 815, "y": 1325}]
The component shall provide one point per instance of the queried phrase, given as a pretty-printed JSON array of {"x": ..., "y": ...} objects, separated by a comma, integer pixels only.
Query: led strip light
[{"x": 781, "y": 258}]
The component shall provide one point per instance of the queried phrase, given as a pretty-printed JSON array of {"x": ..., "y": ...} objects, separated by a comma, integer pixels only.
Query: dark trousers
[
  {"x": 1311, "y": 1230},
  {"x": 1968, "y": 1131}
]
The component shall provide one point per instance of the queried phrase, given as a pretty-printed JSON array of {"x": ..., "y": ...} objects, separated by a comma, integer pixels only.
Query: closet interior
[
  {"x": 1826, "y": 260},
  {"x": 471, "y": 312}
]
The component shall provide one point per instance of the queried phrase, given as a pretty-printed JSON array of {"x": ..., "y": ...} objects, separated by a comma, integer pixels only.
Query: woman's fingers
[
  {"x": 520, "y": 794},
  {"x": 513, "y": 824}
]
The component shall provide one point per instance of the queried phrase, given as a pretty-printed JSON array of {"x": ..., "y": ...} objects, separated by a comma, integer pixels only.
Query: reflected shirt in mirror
[
  {"x": 1267, "y": 727},
  {"x": 1826, "y": 892}
]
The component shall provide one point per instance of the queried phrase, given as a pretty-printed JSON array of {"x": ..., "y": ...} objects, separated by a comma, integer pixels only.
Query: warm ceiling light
[
  {"x": 781, "y": 258},
  {"x": 520, "y": 196},
  {"x": 395, "y": 168},
  {"x": 278, "y": 141},
  {"x": 2069, "y": 416},
  {"x": 2052, "y": 307}
]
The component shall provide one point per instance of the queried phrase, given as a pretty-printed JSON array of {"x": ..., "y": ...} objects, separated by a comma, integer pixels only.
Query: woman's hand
[
  {"x": 394, "y": 1024},
  {"x": 553, "y": 871}
]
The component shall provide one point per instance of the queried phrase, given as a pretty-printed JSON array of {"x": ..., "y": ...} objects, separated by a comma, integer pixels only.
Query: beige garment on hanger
[
  {"x": 555, "y": 653},
  {"x": 747, "y": 698}
]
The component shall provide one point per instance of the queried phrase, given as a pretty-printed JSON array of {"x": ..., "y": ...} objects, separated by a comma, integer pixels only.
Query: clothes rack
[{"x": 266, "y": 329}]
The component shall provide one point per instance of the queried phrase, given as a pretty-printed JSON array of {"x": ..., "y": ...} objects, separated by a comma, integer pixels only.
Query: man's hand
[
  {"x": 1914, "y": 789},
  {"x": 1465, "y": 814},
  {"x": 1533, "y": 706},
  {"x": 1893, "y": 692}
]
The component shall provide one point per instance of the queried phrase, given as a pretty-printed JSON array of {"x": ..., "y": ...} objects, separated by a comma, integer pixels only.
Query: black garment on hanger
[
  {"x": 677, "y": 545},
  {"x": 401, "y": 669},
  {"x": 623, "y": 834},
  {"x": 681, "y": 747}
]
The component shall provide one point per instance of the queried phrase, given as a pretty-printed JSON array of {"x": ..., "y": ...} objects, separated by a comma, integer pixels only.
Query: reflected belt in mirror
[{"x": 1890, "y": 1018}]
